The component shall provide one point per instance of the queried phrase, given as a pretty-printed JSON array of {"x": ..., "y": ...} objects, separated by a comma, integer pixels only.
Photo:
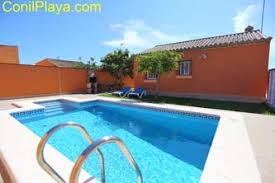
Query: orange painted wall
[
  {"x": 229, "y": 71},
  {"x": 106, "y": 78},
  {"x": 28, "y": 80},
  {"x": 73, "y": 80},
  {"x": 9, "y": 54},
  {"x": 103, "y": 77},
  {"x": 130, "y": 82}
]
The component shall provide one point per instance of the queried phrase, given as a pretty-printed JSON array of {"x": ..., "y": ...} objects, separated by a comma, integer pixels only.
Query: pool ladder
[{"x": 94, "y": 146}]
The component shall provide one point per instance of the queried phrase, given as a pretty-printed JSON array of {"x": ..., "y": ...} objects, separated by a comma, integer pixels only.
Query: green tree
[
  {"x": 158, "y": 63},
  {"x": 119, "y": 64},
  {"x": 91, "y": 64}
]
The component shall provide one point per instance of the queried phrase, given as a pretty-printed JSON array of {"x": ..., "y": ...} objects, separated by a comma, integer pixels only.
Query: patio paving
[
  {"x": 7, "y": 104},
  {"x": 261, "y": 131}
]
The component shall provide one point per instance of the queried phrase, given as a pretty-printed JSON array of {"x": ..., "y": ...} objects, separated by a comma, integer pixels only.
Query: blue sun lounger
[
  {"x": 122, "y": 92},
  {"x": 138, "y": 92}
]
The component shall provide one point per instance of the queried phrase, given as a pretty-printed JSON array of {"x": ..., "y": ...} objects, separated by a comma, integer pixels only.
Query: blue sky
[{"x": 138, "y": 24}]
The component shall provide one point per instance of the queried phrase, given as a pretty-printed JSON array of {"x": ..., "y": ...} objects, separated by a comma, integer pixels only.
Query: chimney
[{"x": 249, "y": 28}]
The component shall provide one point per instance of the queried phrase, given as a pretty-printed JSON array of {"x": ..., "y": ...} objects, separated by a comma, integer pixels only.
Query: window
[
  {"x": 185, "y": 68},
  {"x": 151, "y": 76}
]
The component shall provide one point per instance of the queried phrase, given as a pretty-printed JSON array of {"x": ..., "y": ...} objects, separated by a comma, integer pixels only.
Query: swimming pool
[{"x": 168, "y": 146}]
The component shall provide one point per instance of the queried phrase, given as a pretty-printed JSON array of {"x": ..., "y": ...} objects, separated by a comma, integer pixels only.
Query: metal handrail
[
  {"x": 94, "y": 146},
  {"x": 40, "y": 151}
]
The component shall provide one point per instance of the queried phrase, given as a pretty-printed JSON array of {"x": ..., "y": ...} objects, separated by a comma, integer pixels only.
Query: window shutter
[
  {"x": 179, "y": 65},
  {"x": 190, "y": 68},
  {"x": 145, "y": 76}
]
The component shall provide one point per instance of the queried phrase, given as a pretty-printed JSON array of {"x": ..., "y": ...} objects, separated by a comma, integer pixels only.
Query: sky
[{"x": 132, "y": 24}]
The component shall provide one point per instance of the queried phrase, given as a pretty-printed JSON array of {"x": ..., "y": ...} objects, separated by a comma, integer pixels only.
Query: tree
[
  {"x": 91, "y": 64},
  {"x": 119, "y": 64},
  {"x": 158, "y": 63}
]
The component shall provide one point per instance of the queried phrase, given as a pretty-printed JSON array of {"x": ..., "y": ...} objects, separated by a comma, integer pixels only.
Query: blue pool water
[{"x": 168, "y": 147}]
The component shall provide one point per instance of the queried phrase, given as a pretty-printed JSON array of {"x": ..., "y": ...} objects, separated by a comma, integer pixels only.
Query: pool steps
[
  {"x": 55, "y": 108},
  {"x": 94, "y": 146}
]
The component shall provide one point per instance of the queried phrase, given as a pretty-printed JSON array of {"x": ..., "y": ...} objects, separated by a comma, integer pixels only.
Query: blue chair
[
  {"x": 138, "y": 92},
  {"x": 122, "y": 92}
]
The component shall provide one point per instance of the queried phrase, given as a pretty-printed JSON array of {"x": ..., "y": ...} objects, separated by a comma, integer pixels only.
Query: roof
[
  {"x": 63, "y": 63},
  {"x": 3, "y": 45},
  {"x": 210, "y": 42}
]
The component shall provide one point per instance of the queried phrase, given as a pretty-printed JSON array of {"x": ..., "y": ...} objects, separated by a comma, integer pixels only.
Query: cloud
[
  {"x": 130, "y": 39},
  {"x": 136, "y": 35},
  {"x": 246, "y": 17}
]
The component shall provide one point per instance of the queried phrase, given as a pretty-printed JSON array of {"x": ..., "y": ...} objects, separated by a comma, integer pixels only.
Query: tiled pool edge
[
  {"x": 165, "y": 109},
  {"x": 231, "y": 152},
  {"x": 223, "y": 163},
  {"x": 87, "y": 104}
]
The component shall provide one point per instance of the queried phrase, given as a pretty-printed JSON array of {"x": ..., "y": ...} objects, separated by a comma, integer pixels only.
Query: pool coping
[{"x": 230, "y": 159}]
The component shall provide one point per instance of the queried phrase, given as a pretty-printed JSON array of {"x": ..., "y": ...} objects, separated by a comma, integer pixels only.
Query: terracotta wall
[
  {"x": 106, "y": 78},
  {"x": 28, "y": 80},
  {"x": 236, "y": 72},
  {"x": 45, "y": 62},
  {"x": 128, "y": 81},
  {"x": 9, "y": 54}
]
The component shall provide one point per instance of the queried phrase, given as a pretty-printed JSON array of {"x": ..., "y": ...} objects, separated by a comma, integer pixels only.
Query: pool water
[{"x": 168, "y": 147}]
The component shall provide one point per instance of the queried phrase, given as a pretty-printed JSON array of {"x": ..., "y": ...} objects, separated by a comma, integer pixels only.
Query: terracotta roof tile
[
  {"x": 216, "y": 41},
  {"x": 63, "y": 63}
]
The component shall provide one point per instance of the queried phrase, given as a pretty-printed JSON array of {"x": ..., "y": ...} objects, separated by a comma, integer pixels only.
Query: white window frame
[
  {"x": 151, "y": 76},
  {"x": 189, "y": 68}
]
